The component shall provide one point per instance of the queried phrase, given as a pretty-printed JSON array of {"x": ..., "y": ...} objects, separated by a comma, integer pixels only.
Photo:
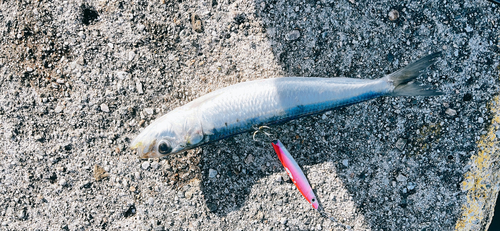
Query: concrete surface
[{"x": 80, "y": 79}]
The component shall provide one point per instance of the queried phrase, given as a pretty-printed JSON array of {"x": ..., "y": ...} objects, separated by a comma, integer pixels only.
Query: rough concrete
[{"x": 79, "y": 79}]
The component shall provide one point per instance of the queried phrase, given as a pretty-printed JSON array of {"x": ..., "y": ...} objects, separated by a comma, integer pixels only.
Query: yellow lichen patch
[{"x": 482, "y": 181}]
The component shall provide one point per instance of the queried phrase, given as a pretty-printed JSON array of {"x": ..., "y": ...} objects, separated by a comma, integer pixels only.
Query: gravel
[{"x": 80, "y": 79}]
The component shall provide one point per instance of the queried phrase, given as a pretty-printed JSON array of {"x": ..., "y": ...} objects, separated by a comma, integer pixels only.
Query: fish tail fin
[{"x": 403, "y": 79}]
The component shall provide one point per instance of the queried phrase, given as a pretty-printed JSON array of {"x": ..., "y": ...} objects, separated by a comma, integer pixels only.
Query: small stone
[
  {"x": 236, "y": 158},
  {"x": 323, "y": 117},
  {"x": 196, "y": 23},
  {"x": 137, "y": 175},
  {"x": 212, "y": 173},
  {"x": 122, "y": 75},
  {"x": 149, "y": 111},
  {"x": 411, "y": 186},
  {"x": 249, "y": 159},
  {"x": 180, "y": 194},
  {"x": 468, "y": 28},
  {"x": 138, "y": 85},
  {"x": 132, "y": 188},
  {"x": 131, "y": 55},
  {"x": 345, "y": 163},
  {"x": 480, "y": 120},
  {"x": 400, "y": 144},
  {"x": 154, "y": 165},
  {"x": 451, "y": 112},
  {"x": 292, "y": 35},
  {"x": 283, "y": 221},
  {"x": 393, "y": 15},
  {"x": 151, "y": 201},
  {"x": 104, "y": 107},
  {"x": 110, "y": 45},
  {"x": 278, "y": 179},
  {"x": 401, "y": 178},
  {"x": 99, "y": 173},
  {"x": 62, "y": 182},
  {"x": 189, "y": 194},
  {"x": 39, "y": 137},
  {"x": 21, "y": 214},
  {"x": 59, "y": 109},
  {"x": 145, "y": 165}
]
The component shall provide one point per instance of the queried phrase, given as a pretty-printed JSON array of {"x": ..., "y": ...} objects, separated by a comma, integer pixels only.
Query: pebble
[
  {"x": 99, "y": 173},
  {"x": 154, "y": 165},
  {"x": 292, "y": 35},
  {"x": 189, "y": 194},
  {"x": 249, "y": 159},
  {"x": 451, "y": 112},
  {"x": 104, "y": 107},
  {"x": 236, "y": 158},
  {"x": 411, "y": 186},
  {"x": 345, "y": 163},
  {"x": 212, "y": 173},
  {"x": 480, "y": 120},
  {"x": 121, "y": 75},
  {"x": 400, "y": 144},
  {"x": 180, "y": 194},
  {"x": 393, "y": 15},
  {"x": 148, "y": 111},
  {"x": 138, "y": 85},
  {"x": 59, "y": 109},
  {"x": 62, "y": 182},
  {"x": 278, "y": 179},
  {"x": 401, "y": 178},
  {"x": 131, "y": 55},
  {"x": 145, "y": 165},
  {"x": 21, "y": 214},
  {"x": 196, "y": 23},
  {"x": 468, "y": 28}
]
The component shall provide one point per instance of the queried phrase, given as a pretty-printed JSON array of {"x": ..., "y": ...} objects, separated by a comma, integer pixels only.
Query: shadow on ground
[{"x": 405, "y": 156}]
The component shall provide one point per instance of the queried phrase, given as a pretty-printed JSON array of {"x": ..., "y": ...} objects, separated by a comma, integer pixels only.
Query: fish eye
[
  {"x": 313, "y": 200},
  {"x": 164, "y": 148}
]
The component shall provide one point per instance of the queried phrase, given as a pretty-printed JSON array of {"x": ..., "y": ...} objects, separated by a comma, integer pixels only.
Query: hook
[{"x": 261, "y": 129}]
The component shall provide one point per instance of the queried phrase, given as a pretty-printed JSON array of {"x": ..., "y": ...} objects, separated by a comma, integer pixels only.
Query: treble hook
[{"x": 261, "y": 129}]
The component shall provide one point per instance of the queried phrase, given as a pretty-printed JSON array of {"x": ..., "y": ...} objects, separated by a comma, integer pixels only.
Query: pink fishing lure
[{"x": 295, "y": 173}]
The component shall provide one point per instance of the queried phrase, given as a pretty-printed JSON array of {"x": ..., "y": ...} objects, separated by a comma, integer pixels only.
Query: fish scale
[{"x": 279, "y": 100}]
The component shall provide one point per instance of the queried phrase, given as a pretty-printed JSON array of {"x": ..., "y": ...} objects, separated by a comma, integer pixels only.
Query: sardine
[
  {"x": 295, "y": 173},
  {"x": 242, "y": 107}
]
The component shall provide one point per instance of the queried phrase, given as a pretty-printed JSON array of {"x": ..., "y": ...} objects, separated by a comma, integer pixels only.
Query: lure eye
[
  {"x": 164, "y": 148},
  {"x": 313, "y": 200}
]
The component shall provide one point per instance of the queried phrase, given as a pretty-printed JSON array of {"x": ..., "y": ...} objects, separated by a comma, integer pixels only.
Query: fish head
[{"x": 167, "y": 135}]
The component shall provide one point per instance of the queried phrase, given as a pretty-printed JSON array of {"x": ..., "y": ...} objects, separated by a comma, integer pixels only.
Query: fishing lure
[
  {"x": 299, "y": 179},
  {"x": 295, "y": 173},
  {"x": 241, "y": 107}
]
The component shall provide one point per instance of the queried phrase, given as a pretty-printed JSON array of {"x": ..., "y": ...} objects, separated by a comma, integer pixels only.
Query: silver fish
[{"x": 244, "y": 106}]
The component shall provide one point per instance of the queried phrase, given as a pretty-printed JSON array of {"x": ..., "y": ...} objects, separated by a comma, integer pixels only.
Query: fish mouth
[
  {"x": 145, "y": 151},
  {"x": 149, "y": 155}
]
